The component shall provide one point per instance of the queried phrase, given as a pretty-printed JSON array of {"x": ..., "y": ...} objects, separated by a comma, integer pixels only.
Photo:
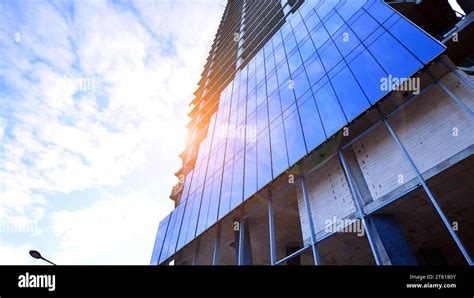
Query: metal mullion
[
  {"x": 271, "y": 226},
  {"x": 215, "y": 256},
  {"x": 316, "y": 258},
  {"x": 357, "y": 200},
  {"x": 428, "y": 192}
]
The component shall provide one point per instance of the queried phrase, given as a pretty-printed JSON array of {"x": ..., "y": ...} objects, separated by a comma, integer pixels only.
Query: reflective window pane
[
  {"x": 250, "y": 184},
  {"x": 237, "y": 181},
  {"x": 279, "y": 154},
  {"x": 351, "y": 97},
  {"x": 330, "y": 56},
  {"x": 287, "y": 96},
  {"x": 264, "y": 170},
  {"x": 224, "y": 204},
  {"x": 424, "y": 47},
  {"x": 329, "y": 109},
  {"x": 314, "y": 69},
  {"x": 294, "y": 137},
  {"x": 312, "y": 127},
  {"x": 369, "y": 74},
  {"x": 385, "y": 48}
]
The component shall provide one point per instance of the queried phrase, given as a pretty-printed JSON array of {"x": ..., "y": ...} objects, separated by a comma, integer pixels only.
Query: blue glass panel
[
  {"x": 279, "y": 54},
  {"x": 277, "y": 40},
  {"x": 259, "y": 59},
  {"x": 214, "y": 201},
  {"x": 312, "y": 126},
  {"x": 239, "y": 138},
  {"x": 251, "y": 127},
  {"x": 203, "y": 213},
  {"x": 306, "y": 49},
  {"x": 268, "y": 51},
  {"x": 311, "y": 21},
  {"x": 274, "y": 108},
  {"x": 300, "y": 83},
  {"x": 386, "y": 48},
  {"x": 241, "y": 112},
  {"x": 350, "y": 8},
  {"x": 319, "y": 36},
  {"x": 262, "y": 117},
  {"x": 176, "y": 230},
  {"x": 269, "y": 64},
  {"x": 261, "y": 94},
  {"x": 251, "y": 103},
  {"x": 296, "y": 20},
  {"x": 294, "y": 61},
  {"x": 166, "y": 245},
  {"x": 220, "y": 157},
  {"x": 351, "y": 97},
  {"x": 252, "y": 83},
  {"x": 329, "y": 109},
  {"x": 237, "y": 181},
  {"x": 230, "y": 145},
  {"x": 250, "y": 185},
  {"x": 314, "y": 69},
  {"x": 294, "y": 137},
  {"x": 187, "y": 184},
  {"x": 333, "y": 23},
  {"x": 185, "y": 223},
  {"x": 193, "y": 219},
  {"x": 260, "y": 74},
  {"x": 362, "y": 24},
  {"x": 285, "y": 30},
  {"x": 290, "y": 43},
  {"x": 300, "y": 33},
  {"x": 224, "y": 203},
  {"x": 380, "y": 11},
  {"x": 264, "y": 170},
  {"x": 287, "y": 96},
  {"x": 423, "y": 46},
  {"x": 369, "y": 75},
  {"x": 279, "y": 154},
  {"x": 159, "y": 240},
  {"x": 282, "y": 72},
  {"x": 325, "y": 7},
  {"x": 272, "y": 83},
  {"x": 346, "y": 40},
  {"x": 330, "y": 56}
]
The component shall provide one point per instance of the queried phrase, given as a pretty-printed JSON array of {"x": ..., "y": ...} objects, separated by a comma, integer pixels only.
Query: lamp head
[{"x": 35, "y": 254}]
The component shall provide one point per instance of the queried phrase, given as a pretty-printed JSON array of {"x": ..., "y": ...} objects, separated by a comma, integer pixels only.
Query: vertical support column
[
  {"x": 217, "y": 242},
  {"x": 244, "y": 256},
  {"x": 443, "y": 216},
  {"x": 357, "y": 201},
  {"x": 196, "y": 252},
  {"x": 310, "y": 221},
  {"x": 271, "y": 226}
]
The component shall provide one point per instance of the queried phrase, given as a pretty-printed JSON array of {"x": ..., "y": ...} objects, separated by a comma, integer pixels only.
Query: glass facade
[{"x": 322, "y": 69}]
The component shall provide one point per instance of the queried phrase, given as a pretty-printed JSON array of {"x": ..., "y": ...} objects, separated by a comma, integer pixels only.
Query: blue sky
[{"x": 93, "y": 103}]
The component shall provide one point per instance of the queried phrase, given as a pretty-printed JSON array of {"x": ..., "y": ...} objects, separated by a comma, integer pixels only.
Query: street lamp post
[{"x": 35, "y": 254}]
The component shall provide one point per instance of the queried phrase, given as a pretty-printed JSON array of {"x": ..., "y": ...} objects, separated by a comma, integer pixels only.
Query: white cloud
[
  {"x": 115, "y": 230},
  {"x": 62, "y": 138},
  {"x": 16, "y": 254}
]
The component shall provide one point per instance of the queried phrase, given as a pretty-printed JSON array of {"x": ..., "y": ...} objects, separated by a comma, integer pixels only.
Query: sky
[{"x": 93, "y": 102}]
